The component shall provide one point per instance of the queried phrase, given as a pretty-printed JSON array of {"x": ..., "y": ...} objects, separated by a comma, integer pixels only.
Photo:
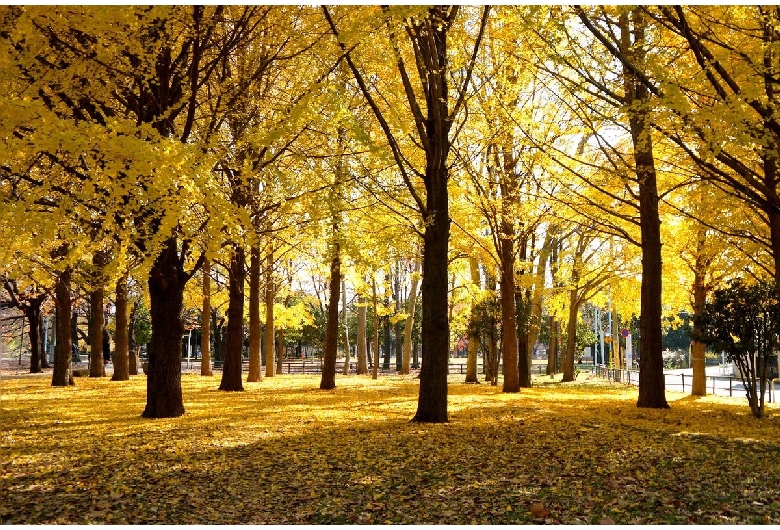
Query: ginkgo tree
[{"x": 428, "y": 102}]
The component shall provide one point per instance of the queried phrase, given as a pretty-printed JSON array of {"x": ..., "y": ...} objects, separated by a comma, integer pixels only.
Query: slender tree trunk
[
  {"x": 375, "y": 368},
  {"x": 699, "y": 386},
  {"x": 269, "y": 313},
  {"x": 166, "y": 294},
  {"x": 541, "y": 272},
  {"x": 280, "y": 349},
  {"x": 96, "y": 365},
  {"x": 121, "y": 361},
  {"x": 43, "y": 336},
  {"x": 254, "y": 316},
  {"x": 473, "y": 326},
  {"x": 328, "y": 380},
  {"x": 397, "y": 328},
  {"x": 523, "y": 307},
  {"x": 386, "y": 332},
  {"x": 491, "y": 334},
  {"x": 74, "y": 329},
  {"x": 234, "y": 340},
  {"x": 571, "y": 336},
  {"x": 362, "y": 341},
  {"x": 552, "y": 349},
  {"x": 131, "y": 344},
  {"x": 205, "y": 322},
  {"x": 62, "y": 374},
  {"x": 409, "y": 324},
  {"x": 345, "y": 370}
]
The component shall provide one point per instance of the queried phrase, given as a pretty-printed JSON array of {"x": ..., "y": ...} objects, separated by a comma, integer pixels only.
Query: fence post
[
  {"x": 683, "y": 382},
  {"x": 730, "y": 380}
]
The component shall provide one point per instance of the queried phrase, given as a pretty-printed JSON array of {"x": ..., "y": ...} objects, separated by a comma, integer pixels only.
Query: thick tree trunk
[
  {"x": 62, "y": 374},
  {"x": 121, "y": 351},
  {"x": 508, "y": 309},
  {"x": 33, "y": 314},
  {"x": 362, "y": 341},
  {"x": 328, "y": 380},
  {"x": 96, "y": 366},
  {"x": 234, "y": 340},
  {"x": 166, "y": 294},
  {"x": 255, "y": 327},
  {"x": 652, "y": 392},
  {"x": 523, "y": 360},
  {"x": 269, "y": 313},
  {"x": 205, "y": 322},
  {"x": 432, "y": 399}
]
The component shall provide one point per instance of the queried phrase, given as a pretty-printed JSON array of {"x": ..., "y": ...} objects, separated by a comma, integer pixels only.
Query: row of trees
[{"x": 525, "y": 158}]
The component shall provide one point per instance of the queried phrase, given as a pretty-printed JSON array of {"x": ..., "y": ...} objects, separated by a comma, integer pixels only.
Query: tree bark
[
  {"x": 131, "y": 344},
  {"x": 409, "y": 324},
  {"x": 205, "y": 322},
  {"x": 328, "y": 380},
  {"x": 62, "y": 374},
  {"x": 473, "y": 326},
  {"x": 96, "y": 366},
  {"x": 33, "y": 314},
  {"x": 234, "y": 339},
  {"x": 254, "y": 316},
  {"x": 523, "y": 307},
  {"x": 121, "y": 350},
  {"x": 375, "y": 367},
  {"x": 166, "y": 294},
  {"x": 541, "y": 271},
  {"x": 552, "y": 349},
  {"x": 44, "y": 361},
  {"x": 269, "y": 313},
  {"x": 345, "y": 370},
  {"x": 280, "y": 349},
  {"x": 362, "y": 342},
  {"x": 699, "y": 386},
  {"x": 652, "y": 393},
  {"x": 508, "y": 308},
  {"x": 571, "y": 335}
]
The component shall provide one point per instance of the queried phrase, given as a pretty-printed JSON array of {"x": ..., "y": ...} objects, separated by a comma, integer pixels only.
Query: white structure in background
[{"x": 629, "y": 352}]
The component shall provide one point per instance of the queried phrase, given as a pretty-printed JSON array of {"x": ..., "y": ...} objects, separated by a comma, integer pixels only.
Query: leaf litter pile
[{"x": 285, "y": 452}]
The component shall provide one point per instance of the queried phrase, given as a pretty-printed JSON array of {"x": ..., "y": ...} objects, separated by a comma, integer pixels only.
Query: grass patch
[{"x": 285, "y": 452}]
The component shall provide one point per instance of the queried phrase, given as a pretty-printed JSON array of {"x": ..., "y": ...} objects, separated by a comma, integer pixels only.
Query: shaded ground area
[{"x": 285, "y": 452}]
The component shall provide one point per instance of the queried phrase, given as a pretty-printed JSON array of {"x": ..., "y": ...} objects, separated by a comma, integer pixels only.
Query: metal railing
[{"x": 721, "y": 385}]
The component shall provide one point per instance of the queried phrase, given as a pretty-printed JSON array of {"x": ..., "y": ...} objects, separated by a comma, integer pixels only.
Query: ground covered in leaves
[{"x": 285, "y": 452}]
